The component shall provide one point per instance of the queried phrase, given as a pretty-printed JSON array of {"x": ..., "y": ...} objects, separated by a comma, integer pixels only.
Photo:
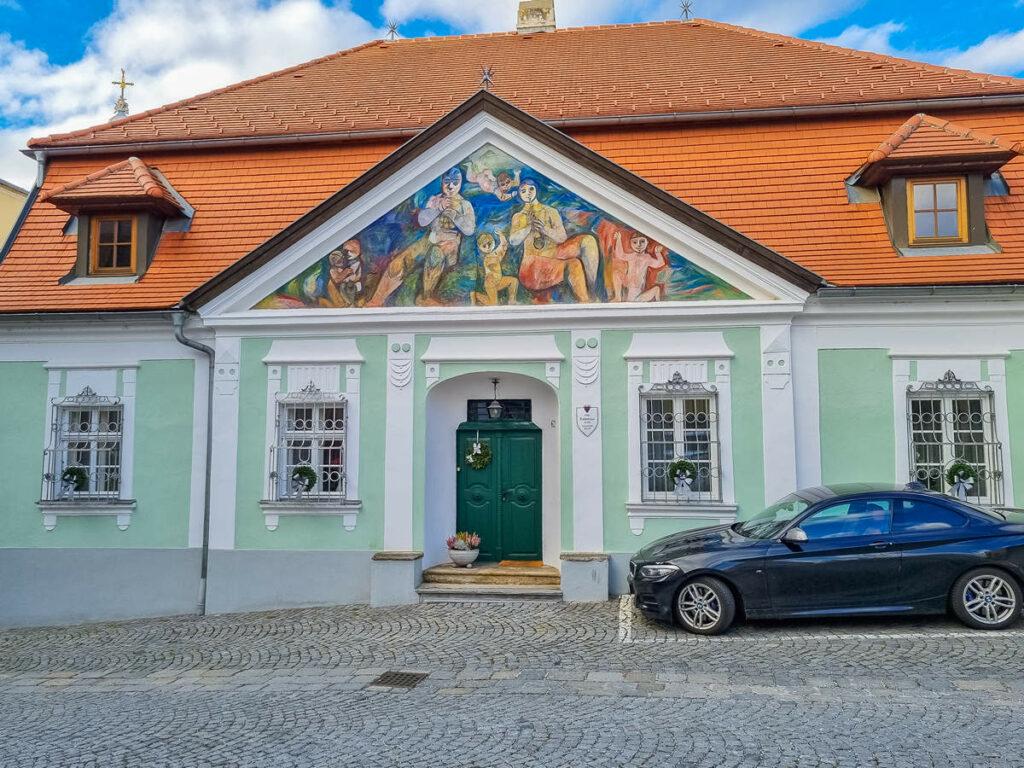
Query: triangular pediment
[{"x": 498, "y": 209}]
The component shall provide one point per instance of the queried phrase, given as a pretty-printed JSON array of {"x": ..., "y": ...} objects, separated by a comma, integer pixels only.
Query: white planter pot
[{"x": 463, "y": 557}]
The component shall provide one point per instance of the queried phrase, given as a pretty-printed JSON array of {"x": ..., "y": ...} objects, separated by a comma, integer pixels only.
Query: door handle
[
  {"x": 504, "y": 495},
  {"x": 881, "y": 544}
]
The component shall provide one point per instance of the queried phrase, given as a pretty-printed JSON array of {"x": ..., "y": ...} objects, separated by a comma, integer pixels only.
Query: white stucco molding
[
  {"x": 298, "y": 351},
  {"x": 540, "y": 348},
  {"x": 640, "y": 513},
  {"x": 120, "y": 508},
  {"x": 678, "y": 346},
  {"x": 273, "y": 511}
]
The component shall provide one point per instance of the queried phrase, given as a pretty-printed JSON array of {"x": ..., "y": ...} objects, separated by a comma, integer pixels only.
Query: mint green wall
[
  {"x": 162, "y": 459},
  {"x": 747, "y": 443},
  {"x": 856, "y": 416},
  {"x": 1013, "y": 435},
  {"x": 308, "y": 532},
  {"x": 21, "y": 446}
]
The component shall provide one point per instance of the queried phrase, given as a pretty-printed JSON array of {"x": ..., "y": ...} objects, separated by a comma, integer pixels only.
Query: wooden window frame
[
  {"x": 94, "y": 233},
  {"x": 961, "y": 210}
]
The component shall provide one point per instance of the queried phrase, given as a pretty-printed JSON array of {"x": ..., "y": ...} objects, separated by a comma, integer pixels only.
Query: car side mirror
[{"x": 795, "y": 535}]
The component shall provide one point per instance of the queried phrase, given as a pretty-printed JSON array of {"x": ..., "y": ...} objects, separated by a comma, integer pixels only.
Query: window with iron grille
[
  {"x": 950, "y": 420},
  {"x": 84, "y": 457},
  {"x": 679, "y": 420},
  {"x": 310, "y": 433}
]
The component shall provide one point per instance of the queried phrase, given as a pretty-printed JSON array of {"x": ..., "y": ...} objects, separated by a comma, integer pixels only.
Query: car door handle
[{"x": 881, "y": 544}]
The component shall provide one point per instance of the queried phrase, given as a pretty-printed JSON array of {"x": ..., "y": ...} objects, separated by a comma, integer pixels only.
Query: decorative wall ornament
[
  {"x": 493, "y": 231},
  {"x": 677, "y": 385},
  {"x": 400, "y": 372},
  {"x": 587, "y": 369},
  {"x": 587, "y": 419}
]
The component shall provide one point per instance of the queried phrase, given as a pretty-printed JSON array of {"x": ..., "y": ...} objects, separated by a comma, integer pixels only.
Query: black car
[{"x": 840, "y": 550}]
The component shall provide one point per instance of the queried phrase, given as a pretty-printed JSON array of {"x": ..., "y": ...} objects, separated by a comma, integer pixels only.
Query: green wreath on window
[
  {"x": 479, "y": 459},
  {"x": 306, "y": 475},
  {"x": 961, "y": 467},
  {"x": 77, "y": 477},
  {"x": 687, "y": 468}
]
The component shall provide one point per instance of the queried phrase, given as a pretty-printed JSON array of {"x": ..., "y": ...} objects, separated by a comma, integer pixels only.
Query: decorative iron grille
[
  {"x": 511, "y": 410},
  {"x": 950, "y": 420},
  {"x": 679, "y": 420},
  {"x": 311, "y": 430},
  {"x": 83, "y": 460}
]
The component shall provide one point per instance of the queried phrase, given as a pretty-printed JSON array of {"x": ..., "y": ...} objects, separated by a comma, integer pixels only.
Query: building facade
[{"x": 275, "y": 357}]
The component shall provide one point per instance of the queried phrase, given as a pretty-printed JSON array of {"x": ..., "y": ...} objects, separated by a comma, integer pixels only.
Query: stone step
[
  {"x": 494, "y": 574},
  {"x": 465, "y": 593}
]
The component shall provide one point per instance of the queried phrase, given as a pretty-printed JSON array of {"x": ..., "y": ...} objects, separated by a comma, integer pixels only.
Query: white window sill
[
  {"x": 713, "y": 511},
  {"x": 347, "y": 509},
  {"x": 120, "y": 508}
]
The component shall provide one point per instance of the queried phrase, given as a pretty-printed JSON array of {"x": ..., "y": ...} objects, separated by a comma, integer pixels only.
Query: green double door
[{"x": 502, "y": 501}]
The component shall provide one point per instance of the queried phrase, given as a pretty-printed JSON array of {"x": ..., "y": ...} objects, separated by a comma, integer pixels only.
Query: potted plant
[
  {"x": 303, "y": 479},
  {"x": 463, "y": 548}
]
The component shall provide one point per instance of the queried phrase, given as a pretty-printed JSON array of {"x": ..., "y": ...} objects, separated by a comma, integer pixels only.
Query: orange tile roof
[
  {"x": 628, "y": 70},
  {"x": 925, "y": 136},
  {"x": 779, "y": 182},
  {"x": 126, "y": 181}
]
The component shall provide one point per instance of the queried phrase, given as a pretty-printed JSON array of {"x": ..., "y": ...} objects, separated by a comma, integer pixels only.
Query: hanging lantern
[{"x": 494, "y": 409}]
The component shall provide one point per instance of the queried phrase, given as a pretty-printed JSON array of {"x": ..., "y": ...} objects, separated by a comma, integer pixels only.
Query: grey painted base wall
[
  {"x": 41, "y": 587},
  {"x": 261, "y": 580},
  {"x": 618, "y": 569}
]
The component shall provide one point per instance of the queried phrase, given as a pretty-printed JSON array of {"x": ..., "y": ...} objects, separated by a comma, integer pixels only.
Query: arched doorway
[{"x": 447, "y": 410}]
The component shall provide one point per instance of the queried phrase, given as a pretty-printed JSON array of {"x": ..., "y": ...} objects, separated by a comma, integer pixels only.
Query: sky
[{"x": 59, "y": 57}]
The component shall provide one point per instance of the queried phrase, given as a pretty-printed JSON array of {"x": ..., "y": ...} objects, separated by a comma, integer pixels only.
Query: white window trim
[
  {"x": 292, "y": 365},
  {"x": 103, "y": 381},
  {"x": 692, "y": 355},
  {"x": 930, "y": 367}
]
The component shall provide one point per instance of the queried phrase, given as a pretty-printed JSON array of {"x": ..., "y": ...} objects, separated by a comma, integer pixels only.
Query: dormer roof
[
  {"x": 926, "y": 144},
  {"x": 128, "y": 184}
]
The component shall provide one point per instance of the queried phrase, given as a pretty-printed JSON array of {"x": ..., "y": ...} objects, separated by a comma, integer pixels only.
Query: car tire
[
  {"x": 705, "y": 606},
  {"x": 986, "y": 598}
]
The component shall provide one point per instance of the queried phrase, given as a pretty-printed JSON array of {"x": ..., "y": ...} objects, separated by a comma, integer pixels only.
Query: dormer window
[
  {"x": 113, "y": 244},
  {"x": 118, "y": 215},
  {"x": 932, "y": 177},
  {"x": 937, "y": 211}
]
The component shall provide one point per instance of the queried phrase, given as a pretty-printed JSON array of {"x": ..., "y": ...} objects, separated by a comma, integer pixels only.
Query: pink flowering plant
[{"x": 463, "y": 540}]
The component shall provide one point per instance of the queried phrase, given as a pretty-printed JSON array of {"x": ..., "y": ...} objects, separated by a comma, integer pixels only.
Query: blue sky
[{"x": 57, "y": 57}]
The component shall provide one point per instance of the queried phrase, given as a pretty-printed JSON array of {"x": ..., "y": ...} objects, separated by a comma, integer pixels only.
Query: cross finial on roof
[
  {"x": 487, "y": 78},
  {"x": 392, "y": 29},
  {"x": 121, "y": 106},
  {"x": 686, "y": 9}
]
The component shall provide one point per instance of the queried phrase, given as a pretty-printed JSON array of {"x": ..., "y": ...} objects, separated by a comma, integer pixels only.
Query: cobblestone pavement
[{"x": 509, "y": 684}]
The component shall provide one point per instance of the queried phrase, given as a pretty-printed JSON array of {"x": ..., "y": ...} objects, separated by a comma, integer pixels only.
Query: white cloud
[
  {"x": 1001, "y": 54},
  {"x": 171, "y": 49}
]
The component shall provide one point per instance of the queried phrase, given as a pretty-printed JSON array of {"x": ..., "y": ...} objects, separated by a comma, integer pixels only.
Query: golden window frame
[{"x": 961, "y": 210}]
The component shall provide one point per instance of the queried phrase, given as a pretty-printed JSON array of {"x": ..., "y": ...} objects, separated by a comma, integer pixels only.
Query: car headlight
[{"x": 656, "y": 572}]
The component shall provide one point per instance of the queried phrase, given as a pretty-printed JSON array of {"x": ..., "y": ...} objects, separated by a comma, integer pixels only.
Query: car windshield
[{"x": 767, "y": 524}]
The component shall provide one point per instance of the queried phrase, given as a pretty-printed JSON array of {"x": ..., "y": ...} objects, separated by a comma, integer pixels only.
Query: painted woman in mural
[
  {"x": 494, "y": 280},
  {"x": 447, "y": 217},
  {"x": 345, "y": 283},
  {"x": 550, "y": 256}
]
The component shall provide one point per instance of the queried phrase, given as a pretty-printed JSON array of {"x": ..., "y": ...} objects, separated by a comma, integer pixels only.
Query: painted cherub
[
  {"x": 629, "y": 268},
  {"x": 503, "y": 186},
  {"x": 346, "y": 276},
  {"x": 493, "y": 253}
]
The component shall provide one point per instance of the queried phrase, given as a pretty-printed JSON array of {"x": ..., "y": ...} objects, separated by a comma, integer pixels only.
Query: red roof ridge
[
  {"x": 201, "y": 96},
  {"x": 815, "y": 44},
  {"x": 908, "y": 128},
  {"x": 143, "y": 175}
]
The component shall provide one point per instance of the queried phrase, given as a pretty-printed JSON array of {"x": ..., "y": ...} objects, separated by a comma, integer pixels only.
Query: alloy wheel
[
  {"x": 699, "y": 606},
  {"x": 989, "y": 599}
]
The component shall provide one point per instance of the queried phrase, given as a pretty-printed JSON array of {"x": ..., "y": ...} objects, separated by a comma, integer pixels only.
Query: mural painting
[{"x": 492, "y": 231}]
